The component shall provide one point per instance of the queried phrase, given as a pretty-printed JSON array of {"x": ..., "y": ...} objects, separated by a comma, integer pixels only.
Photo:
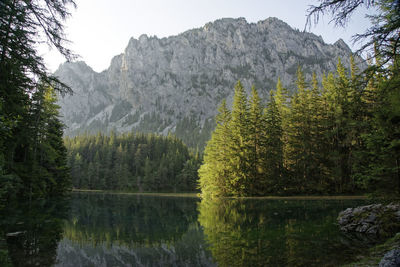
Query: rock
[
  {"x": 15, "y": 234},
  {"x": 398, "y": 214},
  {"x": 373, "y": 230},
  {"x": 362, "y": 228},
  {"x": 374, "y": 219},
  {"x": 186, "y": 76},
  {"x": 391, "y": 259},
  {"x": 371, "y": 218}
]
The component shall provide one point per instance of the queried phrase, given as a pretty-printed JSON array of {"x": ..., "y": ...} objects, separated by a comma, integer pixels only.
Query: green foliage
[
  {"x": 338, "y": 138},
  {"x": 31, "y": 150},
  {"x": 35, "y": 157},
  {"x": 378, "y": 161},
  {"x": 255, "y": 144},
  {"x": 9, "y": 185},
  {"x": 214, "y": 171},
  {"x": 131, "y": 162},
  {"x": 381, "y": 38},
  {"x": 238, "y": 145},
  {"x": 192, "y": 134},
  {"x": 272, "y": 147}
]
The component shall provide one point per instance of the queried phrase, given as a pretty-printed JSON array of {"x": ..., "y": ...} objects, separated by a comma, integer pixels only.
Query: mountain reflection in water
[{"x": 94, "y": 229}]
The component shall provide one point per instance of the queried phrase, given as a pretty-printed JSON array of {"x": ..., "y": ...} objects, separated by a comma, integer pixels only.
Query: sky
[{"x": 100, "y": 29}]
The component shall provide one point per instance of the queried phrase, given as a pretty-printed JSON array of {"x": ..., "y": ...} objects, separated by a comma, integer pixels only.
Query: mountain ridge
[{"x": 174, "y": 84}]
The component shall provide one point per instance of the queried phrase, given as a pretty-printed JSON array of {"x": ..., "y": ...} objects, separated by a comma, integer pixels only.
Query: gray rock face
[
  {"x": 159, "y": 84},
  {"x": 391, "y": 259},
  {"x": 375, "y": 219}
]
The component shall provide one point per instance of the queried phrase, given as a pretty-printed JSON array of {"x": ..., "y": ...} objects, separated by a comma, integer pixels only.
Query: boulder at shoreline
[{"x": 376, "y": 219}]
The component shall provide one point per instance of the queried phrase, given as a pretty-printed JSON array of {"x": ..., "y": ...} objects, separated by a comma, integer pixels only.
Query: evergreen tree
[
  {"x": 239, "y": 145},
  {"x": 317, "y": 139},
  {"x": 130, "y": 162},
  {"x": 256, "y": 143},
  {"x": 282, "y": 100},
  {"x": 299, "y": 135},
  {"x": 54, "y": 153},
  {"x": 376, "y": 167},
  {"x": 340, "y": 105},
  {"x": 383, "y": 33},
  {"x": 214, "y": 173},
  {"x": 23, "y": 144},
  {"x": 275, "y": 179}
]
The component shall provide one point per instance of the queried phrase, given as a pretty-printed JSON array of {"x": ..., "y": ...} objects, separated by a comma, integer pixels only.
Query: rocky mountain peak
[
  {"x": 342, "y": 45},
  {"x": 76, "y": 67},
  {"x": 175, "y": 84},
  {"x": 273, "y": 22},
  {"x": 226, "y": 23}
]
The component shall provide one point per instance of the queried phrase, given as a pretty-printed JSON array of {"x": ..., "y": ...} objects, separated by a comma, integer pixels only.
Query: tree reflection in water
[
  {"x": 256, "y": 232},
  {"x": 132, "y": 230},
  {"x": 30, "y": 232},
  {"x": 117, "y": 230}
]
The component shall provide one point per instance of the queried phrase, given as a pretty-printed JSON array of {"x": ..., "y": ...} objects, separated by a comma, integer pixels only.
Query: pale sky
[{"x": 101, "y": 29}]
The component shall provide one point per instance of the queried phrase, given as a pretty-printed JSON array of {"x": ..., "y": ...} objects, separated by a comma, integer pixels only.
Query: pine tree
[{"x": 214, "y": 173}]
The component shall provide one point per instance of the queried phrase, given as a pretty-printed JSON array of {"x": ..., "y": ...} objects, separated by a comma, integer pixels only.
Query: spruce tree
[
  {"x": 257, "y": 141},
  {"x": 22, "y": 73},
  {"x": 215, "y": 172},
  {"x": 239, "y": 146},
  {"x": 282, "y": 101},
  {"x": 275, "y": 179},
  {"x": 299, "y": 135},
  {"x": 319, "y": 144}
]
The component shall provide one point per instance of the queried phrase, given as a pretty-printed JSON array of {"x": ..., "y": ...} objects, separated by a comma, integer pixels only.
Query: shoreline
[{"x": 197, "y": 195}]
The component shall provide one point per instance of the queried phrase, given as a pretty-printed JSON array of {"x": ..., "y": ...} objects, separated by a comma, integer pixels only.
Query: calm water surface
[{"x": 130, "y": 230}]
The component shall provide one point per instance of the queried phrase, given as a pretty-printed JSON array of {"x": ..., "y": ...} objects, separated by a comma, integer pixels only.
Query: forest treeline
[
  {"x": 337, "y": 137},
  {"x": 32, "y": 153},
  {"x": 33, "y": 156},
  {"x": 132, "y": 162}
]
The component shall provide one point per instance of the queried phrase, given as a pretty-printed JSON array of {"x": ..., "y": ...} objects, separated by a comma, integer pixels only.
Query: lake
[{"x": 96, "y": 229}]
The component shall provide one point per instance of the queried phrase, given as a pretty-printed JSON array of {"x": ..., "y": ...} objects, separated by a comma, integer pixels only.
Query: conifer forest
[
  {"x": 236, "y": 143},
  {"x": 336, "y": 134},
  {"x": 340, "y": 136}
]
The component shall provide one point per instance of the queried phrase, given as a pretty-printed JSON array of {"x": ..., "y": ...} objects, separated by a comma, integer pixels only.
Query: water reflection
[
  {"x": 123, "y": 230},
  {"x": 30, "y": 232},
  {"x": 126, "y": 230},
  {"x": 275, "y": 232}
]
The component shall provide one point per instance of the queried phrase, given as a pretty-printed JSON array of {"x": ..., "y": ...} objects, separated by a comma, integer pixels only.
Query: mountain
[{"x": 175, "y": 84}]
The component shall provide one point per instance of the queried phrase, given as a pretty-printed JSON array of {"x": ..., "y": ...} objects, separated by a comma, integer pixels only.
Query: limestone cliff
[{"x": 175, "y": 84}]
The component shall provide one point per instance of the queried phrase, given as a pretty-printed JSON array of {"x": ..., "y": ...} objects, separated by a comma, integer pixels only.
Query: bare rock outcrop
[
  {"x": 175, "y": 84},
  {"x": 376, "y": 219}
]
